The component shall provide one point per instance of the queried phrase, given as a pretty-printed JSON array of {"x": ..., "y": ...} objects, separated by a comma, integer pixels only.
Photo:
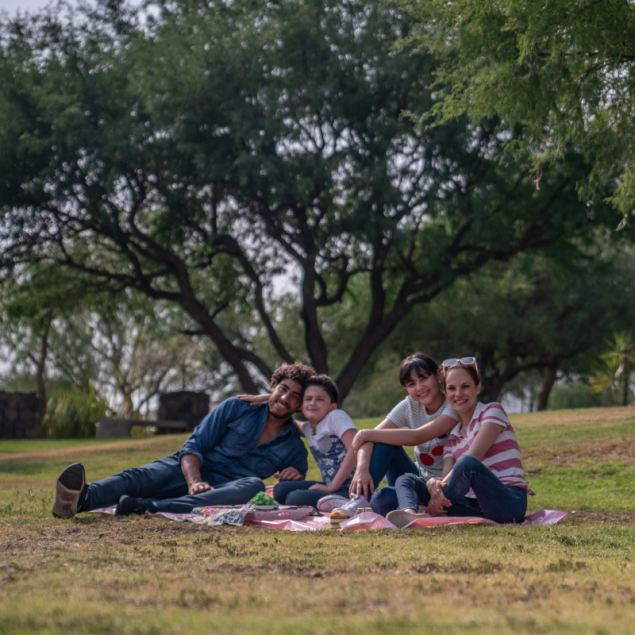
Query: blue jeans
[
  {"x": 163, "y": 480},
  {"x": 236, "y": 492},
  {"x": 390, "y": 461},
  {"x": 298, "y": 493},
  {"x": 494, "y": 500}
]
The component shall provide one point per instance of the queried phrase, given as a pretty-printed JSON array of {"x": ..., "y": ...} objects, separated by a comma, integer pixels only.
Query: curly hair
[{"x": 295, "y": 372}]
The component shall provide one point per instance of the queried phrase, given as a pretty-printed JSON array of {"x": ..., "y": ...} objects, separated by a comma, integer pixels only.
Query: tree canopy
[
  {"x": 208, "y": 153},
  {"x": 564, "y": 71}
]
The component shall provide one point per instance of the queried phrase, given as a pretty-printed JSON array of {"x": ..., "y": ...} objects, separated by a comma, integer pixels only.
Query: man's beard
[{"x": 275, "y": 416}]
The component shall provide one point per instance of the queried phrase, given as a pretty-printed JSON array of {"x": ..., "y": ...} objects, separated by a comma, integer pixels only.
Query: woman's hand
[
  {"x": 359, "y": 440},
  {"x": 362, "y": 484},
  {"x": 255, "y": 400},
  {"x": 321, "y": 488},
  {"x": 438, "y": 501}
]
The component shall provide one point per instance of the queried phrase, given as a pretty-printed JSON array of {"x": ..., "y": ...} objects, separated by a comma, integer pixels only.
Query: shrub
[
  {"x": 74, "y": 414},
  {"x": 575, "y": 394}
]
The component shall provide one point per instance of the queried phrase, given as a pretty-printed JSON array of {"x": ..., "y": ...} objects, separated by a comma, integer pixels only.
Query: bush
[
  {"x": 574, "y": 395},
  {"x": 74, "y": 414}
]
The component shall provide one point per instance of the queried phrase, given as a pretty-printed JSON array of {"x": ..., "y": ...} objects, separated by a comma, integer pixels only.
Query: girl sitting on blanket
[
  {"x": 329, "y": 432},
  {"x": 482, "y": 471}
]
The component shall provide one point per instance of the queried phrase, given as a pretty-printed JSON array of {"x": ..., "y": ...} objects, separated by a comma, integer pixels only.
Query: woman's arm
[
  {"x": 345, "y": 468},
  {"x": 405, "y": 436},
  {"x": 484, "y": 439},
  {"x": 362, "y": 483},
  {"x": 360, "y": 439}
]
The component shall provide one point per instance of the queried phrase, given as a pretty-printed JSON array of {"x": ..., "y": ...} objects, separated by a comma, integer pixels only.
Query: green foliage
[
  {"x": 615, "y": 375},
  {"x": 74, "y": 414},
  {"x": 575, "y": 394},
  {"x": 519, "y": 318},
  {"x": 196, "y": 152},
  {"x": 562, "y": 70}
]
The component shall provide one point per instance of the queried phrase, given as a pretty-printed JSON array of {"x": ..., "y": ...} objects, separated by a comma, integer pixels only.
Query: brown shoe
[
  {"x": 69, "y": 487},
  {"x": 400, "y": 518}
]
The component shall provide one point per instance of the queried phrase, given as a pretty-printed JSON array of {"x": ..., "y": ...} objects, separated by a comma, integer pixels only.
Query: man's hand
[
  {"x": 198, "y": 488},
  {"x": 362, "y": 484},
  {"x": 288, "y": 474},
  {"x": 321, "y": 488},
  {"x": 358, "y": 440}
]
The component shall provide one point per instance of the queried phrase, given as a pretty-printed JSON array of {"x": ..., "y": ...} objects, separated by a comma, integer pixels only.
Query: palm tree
[{"x": 616, "y": 374}]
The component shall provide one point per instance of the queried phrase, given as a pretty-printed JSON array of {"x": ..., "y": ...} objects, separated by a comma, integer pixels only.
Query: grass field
[{"x": 145, "y": 575}]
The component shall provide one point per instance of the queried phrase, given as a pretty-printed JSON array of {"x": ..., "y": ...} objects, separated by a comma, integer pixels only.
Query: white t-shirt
[
  {"x": 412, "y": 414},
  {"x": 326, "y": 444}
]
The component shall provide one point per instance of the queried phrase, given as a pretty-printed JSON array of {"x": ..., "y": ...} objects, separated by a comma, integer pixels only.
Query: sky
[{"x": 12, "y": 6}]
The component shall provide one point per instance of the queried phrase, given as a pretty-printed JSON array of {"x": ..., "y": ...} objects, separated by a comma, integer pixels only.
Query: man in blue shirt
[{"x": 222, "y": 463}]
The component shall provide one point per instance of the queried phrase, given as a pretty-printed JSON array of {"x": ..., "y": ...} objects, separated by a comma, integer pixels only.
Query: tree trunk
[
  {"x": 627, "y": 377},
  {"x": 548, "y": 380},
  {"x": 40, "y": 365}
]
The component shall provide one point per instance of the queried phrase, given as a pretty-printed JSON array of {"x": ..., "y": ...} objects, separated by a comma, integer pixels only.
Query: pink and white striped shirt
[{"x": 503, "y": 458}]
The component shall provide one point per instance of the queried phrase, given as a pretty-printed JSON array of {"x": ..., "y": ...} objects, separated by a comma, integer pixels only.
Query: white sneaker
[
  {"x": 352, "y": 506},
  {"x": 331, "y": 502}
]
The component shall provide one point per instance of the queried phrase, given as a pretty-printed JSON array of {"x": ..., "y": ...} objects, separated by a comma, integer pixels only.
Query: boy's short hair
[
  {"x": 420, "y": 364},
  {"x": 295, "y": 372},
  {"x": 325, "y": 382}
]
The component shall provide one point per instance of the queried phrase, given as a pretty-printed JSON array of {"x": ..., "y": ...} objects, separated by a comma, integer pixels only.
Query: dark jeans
[
  {"x": 494, "y": 500},
  {"x": 163, "y": 480},
  {"x": 390, "y": 461},
  {"x": 298, "y": 493},
  {"x": 236, "y": 492}
]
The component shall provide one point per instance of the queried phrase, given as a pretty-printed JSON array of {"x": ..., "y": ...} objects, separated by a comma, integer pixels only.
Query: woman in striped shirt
[{"x": 482, "y": 470}]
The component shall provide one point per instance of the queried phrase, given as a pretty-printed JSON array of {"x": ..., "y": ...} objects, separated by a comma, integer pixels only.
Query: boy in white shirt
[{"x": 329, "y": 432}]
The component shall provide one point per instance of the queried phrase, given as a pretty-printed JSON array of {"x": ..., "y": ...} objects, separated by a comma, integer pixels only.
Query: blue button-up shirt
[{"x": 225, "y": 443}]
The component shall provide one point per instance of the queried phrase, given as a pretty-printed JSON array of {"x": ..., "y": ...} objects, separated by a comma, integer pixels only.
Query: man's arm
[
  {"x": 206, "y": 435},
  {"x": 191, "y": 468}
]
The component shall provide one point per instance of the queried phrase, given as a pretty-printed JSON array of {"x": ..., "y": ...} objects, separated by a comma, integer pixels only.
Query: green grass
[{"x": 145, "y": 575}]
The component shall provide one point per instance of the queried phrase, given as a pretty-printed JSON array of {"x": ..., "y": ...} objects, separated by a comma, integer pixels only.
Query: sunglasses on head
[{"x": 464, "y": 360}]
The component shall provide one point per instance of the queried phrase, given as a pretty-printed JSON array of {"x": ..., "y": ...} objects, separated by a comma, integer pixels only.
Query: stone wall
[
  {"x": 185, "y": 405},
  {"x": 19, "y": 413}
]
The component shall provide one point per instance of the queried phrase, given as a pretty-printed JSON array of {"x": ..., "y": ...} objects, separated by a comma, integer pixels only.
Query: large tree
[
  {"x": 564, "y": 71},
  {"x": 202, "y": 152}
]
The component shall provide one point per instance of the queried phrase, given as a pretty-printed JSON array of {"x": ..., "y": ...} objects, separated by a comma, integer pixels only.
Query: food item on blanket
[
  {"x": 262, "y": 499},
  {"x": 337, "y": 517},
  {"x": 361, "y": 510}
]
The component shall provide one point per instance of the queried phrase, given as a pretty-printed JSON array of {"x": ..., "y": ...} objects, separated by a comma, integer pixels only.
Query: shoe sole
[
  {"x": 401, "y": 519},
  {"x": 68, "y": 489}
]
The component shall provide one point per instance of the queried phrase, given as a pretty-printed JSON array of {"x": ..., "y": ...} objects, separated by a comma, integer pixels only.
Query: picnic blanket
[{"x": 367, "y": 521}]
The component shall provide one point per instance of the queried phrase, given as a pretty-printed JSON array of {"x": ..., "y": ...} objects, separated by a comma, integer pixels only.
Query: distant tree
[
  {"x": 124, "y": 345},
  {"x": 564, "y": 71},
  {"x": 197, "y": 153},
  {"x": 30, "y": 311},
  {"x": 618, "y": 367},
  {"x": 547, "y": 314}
]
